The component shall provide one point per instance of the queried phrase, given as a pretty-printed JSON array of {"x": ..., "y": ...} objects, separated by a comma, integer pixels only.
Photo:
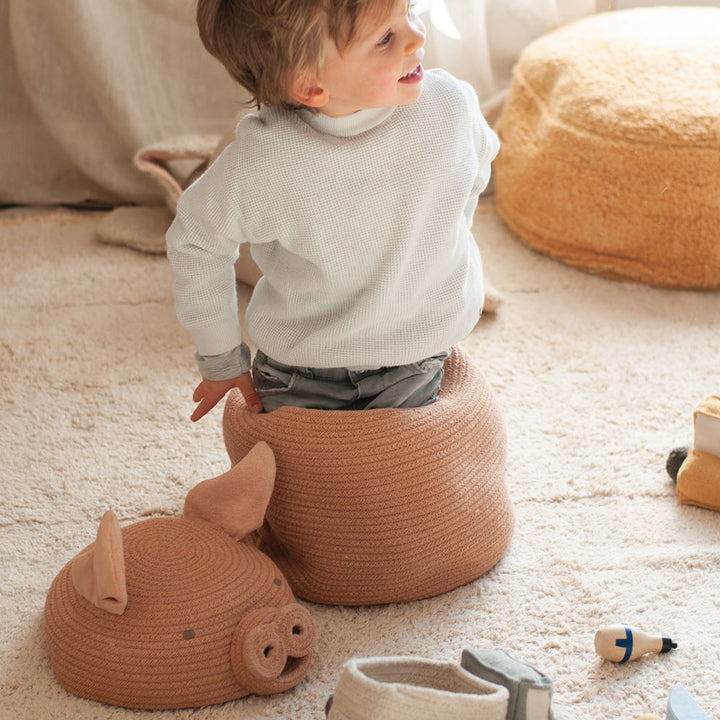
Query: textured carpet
[{"x": 597, "y": 380}]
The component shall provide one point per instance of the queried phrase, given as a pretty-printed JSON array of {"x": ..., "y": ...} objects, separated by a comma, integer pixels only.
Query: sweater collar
[{"x": 347, "y": 126}]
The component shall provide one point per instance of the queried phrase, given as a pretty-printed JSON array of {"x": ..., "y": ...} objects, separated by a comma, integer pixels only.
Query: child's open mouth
[{"x": 413, "y": 77}]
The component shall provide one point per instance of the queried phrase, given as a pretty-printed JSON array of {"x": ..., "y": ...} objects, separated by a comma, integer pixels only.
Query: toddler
[{"x": 355, "y": 184}]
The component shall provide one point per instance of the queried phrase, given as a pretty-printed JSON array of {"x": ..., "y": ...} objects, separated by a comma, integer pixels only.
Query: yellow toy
[{"x": 698, "y": 472}]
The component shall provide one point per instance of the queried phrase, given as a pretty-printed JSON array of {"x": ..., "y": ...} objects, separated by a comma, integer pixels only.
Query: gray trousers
[{"x": 400, "y": 386}]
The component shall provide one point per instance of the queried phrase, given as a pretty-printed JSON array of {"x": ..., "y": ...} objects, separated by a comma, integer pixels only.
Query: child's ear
[{"x": 305, "y": 90}]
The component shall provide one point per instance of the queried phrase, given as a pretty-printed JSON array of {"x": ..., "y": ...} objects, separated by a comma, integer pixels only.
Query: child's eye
[{"x": 386, "y": 39}]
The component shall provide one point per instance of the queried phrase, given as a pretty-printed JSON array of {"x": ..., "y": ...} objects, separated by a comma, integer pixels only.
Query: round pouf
[
  {"x": 610, "y": 157},
  {"x": 387, "y": 505}
]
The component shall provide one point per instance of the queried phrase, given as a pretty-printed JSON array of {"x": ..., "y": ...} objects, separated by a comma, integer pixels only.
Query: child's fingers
[
  {"x": 247, "y": 388},
  {"x": 206, "y": 405},
  {"x": 201, "y": 391},
  {"x": 208, "y": 397},
  {"x": 209, "y": 393}
]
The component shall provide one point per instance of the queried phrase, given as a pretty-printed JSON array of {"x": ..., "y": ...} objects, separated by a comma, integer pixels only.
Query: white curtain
[
  {"x": 85, "y": 83},
  {"x": 480, "y": 40}
]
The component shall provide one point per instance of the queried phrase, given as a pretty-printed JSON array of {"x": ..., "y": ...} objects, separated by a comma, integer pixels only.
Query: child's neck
[{"x": 347, "y": 125}]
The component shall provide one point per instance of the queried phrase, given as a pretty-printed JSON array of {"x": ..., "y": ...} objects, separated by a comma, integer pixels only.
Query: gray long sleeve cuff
[{"x": 227, "y": 365}]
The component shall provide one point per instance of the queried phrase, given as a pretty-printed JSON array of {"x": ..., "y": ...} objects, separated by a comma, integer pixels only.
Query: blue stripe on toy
[{"x": 627, "y": 643}]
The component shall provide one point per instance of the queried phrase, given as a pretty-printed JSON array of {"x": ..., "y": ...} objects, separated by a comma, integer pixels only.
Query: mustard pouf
[{"x": 610, "y": 157}]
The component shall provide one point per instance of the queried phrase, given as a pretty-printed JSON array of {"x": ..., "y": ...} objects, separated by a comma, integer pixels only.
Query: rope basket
[{"x": 385, "y": 505}]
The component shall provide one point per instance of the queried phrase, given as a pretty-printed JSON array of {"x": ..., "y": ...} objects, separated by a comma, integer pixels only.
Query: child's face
[{"x": 382, "y": 67}]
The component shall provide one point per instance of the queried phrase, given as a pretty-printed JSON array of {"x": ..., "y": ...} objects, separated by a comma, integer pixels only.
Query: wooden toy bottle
[{"x": 620, "y": 643}]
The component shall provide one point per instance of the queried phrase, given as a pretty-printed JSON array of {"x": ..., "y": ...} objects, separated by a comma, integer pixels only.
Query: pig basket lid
[{"x": 175, "y": 612}]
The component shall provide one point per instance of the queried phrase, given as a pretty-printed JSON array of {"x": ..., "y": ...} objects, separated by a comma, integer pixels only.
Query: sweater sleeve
[
  {"x": 202, "y": 247},
  {"x": 487, "y": 144},
  {"x": 484, "y": 141}
]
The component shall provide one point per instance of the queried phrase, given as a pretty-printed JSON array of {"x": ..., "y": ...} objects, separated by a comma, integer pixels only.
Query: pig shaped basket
[
  {"x": 181, "y": 612},
  {"x": 385, "y": 505}
]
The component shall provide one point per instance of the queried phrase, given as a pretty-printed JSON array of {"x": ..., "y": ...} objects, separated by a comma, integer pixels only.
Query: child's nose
[{"x": 416, "y": 35}]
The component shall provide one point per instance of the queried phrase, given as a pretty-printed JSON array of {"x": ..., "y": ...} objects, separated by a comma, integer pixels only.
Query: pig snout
[{"x": 272, "y": 648}]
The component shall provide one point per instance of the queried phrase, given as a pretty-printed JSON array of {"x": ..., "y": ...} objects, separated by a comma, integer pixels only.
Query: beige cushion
[
  {"x": 386, "y": 505},
  {"x": 610, "y": 156}
]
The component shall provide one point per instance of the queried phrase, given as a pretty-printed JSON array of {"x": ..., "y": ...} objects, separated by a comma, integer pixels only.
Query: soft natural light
[{"x": 439, "y": 17}]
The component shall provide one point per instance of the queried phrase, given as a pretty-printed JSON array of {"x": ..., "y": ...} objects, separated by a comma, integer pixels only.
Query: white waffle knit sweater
[{"x": 360, "y": 225}]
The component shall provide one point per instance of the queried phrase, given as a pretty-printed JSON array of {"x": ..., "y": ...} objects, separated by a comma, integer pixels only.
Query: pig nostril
[
  {"x": 271, "y": 648},
  {"x": 296, "y": 628}
]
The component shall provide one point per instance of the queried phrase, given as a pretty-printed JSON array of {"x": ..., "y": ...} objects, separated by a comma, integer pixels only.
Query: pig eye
[{"x": 271, "y": 649}]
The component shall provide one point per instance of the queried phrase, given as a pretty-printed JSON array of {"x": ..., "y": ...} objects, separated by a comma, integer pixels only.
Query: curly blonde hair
[{"x": 263, "y": 43}]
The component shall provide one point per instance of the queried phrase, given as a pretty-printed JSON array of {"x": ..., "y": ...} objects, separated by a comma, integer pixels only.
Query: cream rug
[{"x": 597, "y": 380}]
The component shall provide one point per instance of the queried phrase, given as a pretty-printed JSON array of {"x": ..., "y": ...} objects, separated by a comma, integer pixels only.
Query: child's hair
[{"x": 262, "y": 43}]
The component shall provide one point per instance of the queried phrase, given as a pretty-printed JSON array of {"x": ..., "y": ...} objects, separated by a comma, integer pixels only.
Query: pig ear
[
  {"x": 98, "y": 574},
  {"x": 236, "y": 501}
]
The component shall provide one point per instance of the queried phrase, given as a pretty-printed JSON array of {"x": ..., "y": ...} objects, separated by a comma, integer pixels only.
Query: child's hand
[{"x": 209, "y": 393}]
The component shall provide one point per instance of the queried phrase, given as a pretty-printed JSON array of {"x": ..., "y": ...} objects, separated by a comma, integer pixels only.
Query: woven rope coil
[
  {"x": 387, "y": 505},
  {"x": 190, "y": 586}
]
